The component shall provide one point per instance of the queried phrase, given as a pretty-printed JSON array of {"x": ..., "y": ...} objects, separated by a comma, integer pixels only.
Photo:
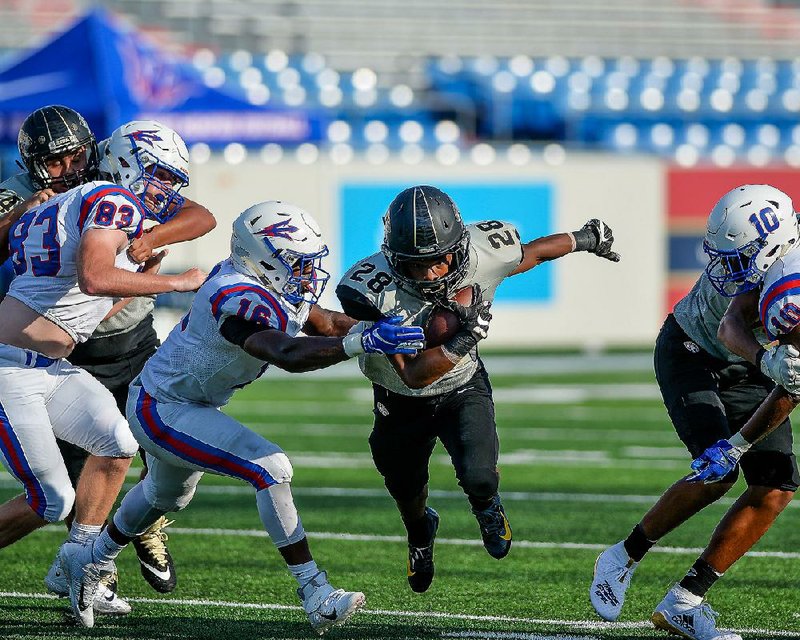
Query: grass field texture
[{"x": 586, "y": 448}]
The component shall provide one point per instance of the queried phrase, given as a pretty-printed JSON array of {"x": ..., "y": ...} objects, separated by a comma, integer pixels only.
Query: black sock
[
  {"x": 419, "y": 531},
  {"x": 700, "y": 578},
  {"x": 117, "y": 536},
  {"x": 637, "y": 544}
]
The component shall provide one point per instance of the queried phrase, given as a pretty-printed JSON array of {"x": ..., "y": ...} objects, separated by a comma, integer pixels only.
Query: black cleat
[
  {"x": 155, "y": 560},
  {"x": 420, "y": 559},
  {"x": 495, "y": 530}
]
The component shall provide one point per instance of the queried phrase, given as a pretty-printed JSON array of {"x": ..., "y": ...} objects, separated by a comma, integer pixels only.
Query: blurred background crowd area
[{"x": 552, "y": 111}]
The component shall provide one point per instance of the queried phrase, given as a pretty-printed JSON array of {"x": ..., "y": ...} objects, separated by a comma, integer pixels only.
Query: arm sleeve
[
  {"x": 236, "y": 329},
  {"x": 356, "y": 305},
  {"x": 250, "y": 303}
]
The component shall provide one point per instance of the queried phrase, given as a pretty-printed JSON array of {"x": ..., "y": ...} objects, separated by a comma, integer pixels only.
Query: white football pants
[
  {"x": 41, "y": 399},
  {"x": 184, "y": 440}
]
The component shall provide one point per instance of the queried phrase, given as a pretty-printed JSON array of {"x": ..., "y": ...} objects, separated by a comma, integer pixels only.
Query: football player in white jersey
[
  {"x": 710, "y": 392},
  {"x": 59, "y": 151},
  {"x": 69, "y": 260},
  {"x": 245, "y": 317},
  {"x": 427, "y": 255}
]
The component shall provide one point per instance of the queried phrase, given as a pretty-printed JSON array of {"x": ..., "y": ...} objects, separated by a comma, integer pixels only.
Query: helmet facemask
[
  {"x": 307, "y": 279},
  {"x": 734, "y": 272},
  {"x": 168, "y": 200},
  {"x": 439, "y": 289}
]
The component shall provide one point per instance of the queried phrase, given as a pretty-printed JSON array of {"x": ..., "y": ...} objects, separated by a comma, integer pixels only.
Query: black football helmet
[
  {"x": 423, "y": 222},
  {"x": 56, "y": 131}
]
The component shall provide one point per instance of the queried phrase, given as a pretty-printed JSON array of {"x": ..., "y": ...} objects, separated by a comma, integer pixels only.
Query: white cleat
[
  {"x": 327, "y": 607},
  {"x": 83, "y": 577},
  {"x": 684, "y": 614},
  {"x": 613, "y": 570},
  {"x": 106, "y": 600}
]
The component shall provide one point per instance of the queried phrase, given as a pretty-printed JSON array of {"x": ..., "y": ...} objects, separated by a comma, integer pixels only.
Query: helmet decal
[
  {"x": 147, "y": 136},
  {"x": 281, "y": 229}
]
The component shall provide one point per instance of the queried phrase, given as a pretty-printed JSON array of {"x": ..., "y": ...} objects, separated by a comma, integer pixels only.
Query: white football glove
[{"x": 782, "y": 364}]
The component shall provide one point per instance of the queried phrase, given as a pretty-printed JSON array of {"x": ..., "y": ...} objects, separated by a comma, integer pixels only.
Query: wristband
[
  {"x": 584, "y": 240},
  {"x": 352, "y": 345},
  {"x": 760, "y": 356},
  {"x": 737, "y": 440}
]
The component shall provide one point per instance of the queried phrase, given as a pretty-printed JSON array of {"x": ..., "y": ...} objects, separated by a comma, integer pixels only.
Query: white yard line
[
  {"x": 6, "y": 482},
  {"x": 572, "y": 624}
]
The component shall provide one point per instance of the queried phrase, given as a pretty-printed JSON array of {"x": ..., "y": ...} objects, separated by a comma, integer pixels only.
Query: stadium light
[
  {"x": 412, "y": 154},
  {"x": 519, "y": 154},
  {"x": 554, "y": 154},
  {"x": 276, "y": 60},
  {"x": 446, "y": 132},
  {"x": 687, "y": 155},
  {"x": 271, "y": 153},
  {"x": 483, "y": 154},
  {"x": 448, "y": 154},
  {"x": 341, "y": 153},
  {"x": 307, "y": 153},
  {"x": 375, "y": 131},
  {"x": 377, "y": 154},
  {"x": 339, "y": 131},
  {"x": 200, "y": 153},
  {"x": 234, "y": 153}
]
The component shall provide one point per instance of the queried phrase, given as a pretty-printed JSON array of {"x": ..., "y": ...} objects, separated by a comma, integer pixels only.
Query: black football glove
[
  {"x": 596, "y": 237},
  {"x": 474, "y": 321}
]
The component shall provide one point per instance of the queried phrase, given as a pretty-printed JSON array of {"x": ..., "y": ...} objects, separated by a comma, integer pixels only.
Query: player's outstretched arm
[
  {"x": 307, "y": 353},
  {"x": 595, "y": 237},
  {"x": 98, "y": 276},
  {"x": 324, "y": 322},
  {"x": 192, "y": 221}
]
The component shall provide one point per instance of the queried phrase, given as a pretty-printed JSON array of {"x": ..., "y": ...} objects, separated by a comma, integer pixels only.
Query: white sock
[
  {"x": 83, "y": 533},
  {"x": 105, "y": 549},
  {"x": 304, "y": 572}
]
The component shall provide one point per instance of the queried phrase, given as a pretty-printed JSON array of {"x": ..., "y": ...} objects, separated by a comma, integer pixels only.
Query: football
[{"x": 443, "y": 324}]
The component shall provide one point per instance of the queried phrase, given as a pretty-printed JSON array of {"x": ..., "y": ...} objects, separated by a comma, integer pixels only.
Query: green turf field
[{"x": 586, "y": 449}]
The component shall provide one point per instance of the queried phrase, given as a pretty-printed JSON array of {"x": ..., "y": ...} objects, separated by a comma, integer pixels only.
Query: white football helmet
[
  {"x": 136, "y": 156},
  {"x": 748, "y": 229},
  {"x": 281, "y": 245}
]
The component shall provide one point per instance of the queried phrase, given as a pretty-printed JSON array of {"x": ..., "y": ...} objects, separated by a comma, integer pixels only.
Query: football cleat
[
  {"x": 83, "y": 577},
  {"x": 106, "y": 600},
  {"x": 420, "y": 559},
  {"x": 495, "y": 530},
  {"x": 155, "y": 561},
  {"x": 613, "y": 570},
  {"x": 684, "y": 614},
  {"x": 327, "y": 607}
]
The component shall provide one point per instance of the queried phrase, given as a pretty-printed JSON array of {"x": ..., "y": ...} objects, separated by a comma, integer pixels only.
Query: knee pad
[
  {"x": 774, "y": 469},
  {"x": 118, "y": 442},
  {"x": 279, "y": 515},
  {"x": 278, "y": 466},
  {"x": 59, "y": 502}
]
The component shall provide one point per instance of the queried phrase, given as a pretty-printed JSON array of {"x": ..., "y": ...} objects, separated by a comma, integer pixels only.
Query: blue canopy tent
[{"x": 110, "y": 73}]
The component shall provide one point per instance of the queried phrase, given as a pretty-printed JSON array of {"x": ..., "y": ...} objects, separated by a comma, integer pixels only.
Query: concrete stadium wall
[{"x": 579, "y": 300}]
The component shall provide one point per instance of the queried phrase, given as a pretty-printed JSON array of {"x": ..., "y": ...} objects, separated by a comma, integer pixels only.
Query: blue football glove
[
  {"x": 716, "y": 462},
  {"x": 389, "y": 336}
]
